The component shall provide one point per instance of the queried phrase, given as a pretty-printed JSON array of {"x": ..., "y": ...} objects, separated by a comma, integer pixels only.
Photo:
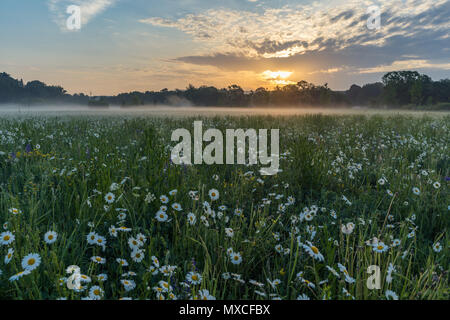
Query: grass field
[{"x": 100, "y": 195}]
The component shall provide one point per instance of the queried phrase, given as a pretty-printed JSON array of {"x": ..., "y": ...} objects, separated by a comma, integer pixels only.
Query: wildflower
[
  {"x": 128, "y": 284},
  {"x": 213, "y": 194},
  {"x": 15, "y": 211},
  {"x": 19, "y": 275},
  {"x": 9, "y": 255},
  {"x": 396, "y": 242},
  {"x": 274, "y": 283},
  {"x": 235, "y": 257},
  {"x": 205, "y": 295},
  {"x": 110, "y": 197},
  {"x": 332, "y": 271},
  {"x": 380, "y": 247},
  {"x": 164, "y": 199},
  {"x": 31, "y": 261},
  {"x": 416, "y": 191},
  {"x": 102, "y": 277},
  {"x": 134, "y": 243},
  {"x": 155, "y": 261},
  {"x": 191, "y": 218},
  {"x": 194, "y": 278},
  {"x": 303, "y": 297},
  {"x": 112, "y": 231},
  {"x": 161, "y": 216},
  {"x": 229, "y": 232},
  {"x": 137, "y": 255},
  {"x": 238, "y": 212},
  {"x": 92, "y": 238},
  {"x": 437, "y": 247},
  {"x": 176, "y": 206},
  {"x": 313, "y": 251},
  {"x": 98, "y": 260},
  {"x": 173, "y": 192},
  {"x": 96, "y": 293},
  {"x": 436, "y": 185},
  {"x": 142, "y": 238},
  {"x": 6, "y": 238},
  {"x": 50, "y": 237}
]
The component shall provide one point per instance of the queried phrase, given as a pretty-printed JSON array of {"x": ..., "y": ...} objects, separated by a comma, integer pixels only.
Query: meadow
[{"x": 98, "y": 196}]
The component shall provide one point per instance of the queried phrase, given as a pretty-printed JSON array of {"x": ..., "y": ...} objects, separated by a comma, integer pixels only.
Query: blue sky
[{"x": 126, "y": 45}]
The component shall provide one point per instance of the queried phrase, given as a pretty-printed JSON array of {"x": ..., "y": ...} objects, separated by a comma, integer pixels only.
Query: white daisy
[{"x": 31, "y": 261}]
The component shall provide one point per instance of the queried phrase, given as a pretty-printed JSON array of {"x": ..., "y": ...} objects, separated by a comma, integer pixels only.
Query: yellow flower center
[
  {"x": 315, "y": 250},
  {"x": 31, "y": 261}
]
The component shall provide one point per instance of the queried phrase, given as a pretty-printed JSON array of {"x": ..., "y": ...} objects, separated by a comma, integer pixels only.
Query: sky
[{"x": 140, "y": 45}]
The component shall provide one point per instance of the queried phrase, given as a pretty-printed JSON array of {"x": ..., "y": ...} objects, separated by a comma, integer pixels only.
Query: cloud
[
  {"x": 319, "y": 40},
  {"x": 89, "y": 10},
  {"x": 406, "y": 65},
  {"x": 295, "y": 29}
]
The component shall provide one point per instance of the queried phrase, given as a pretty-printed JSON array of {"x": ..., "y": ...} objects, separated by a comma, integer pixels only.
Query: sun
[
  {"x": 269, "y": 75},
  {"x": 277, "y": 77}
]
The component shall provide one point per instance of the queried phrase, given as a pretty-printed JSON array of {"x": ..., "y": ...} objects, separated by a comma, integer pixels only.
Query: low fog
[{"x": 189, "y": 111}]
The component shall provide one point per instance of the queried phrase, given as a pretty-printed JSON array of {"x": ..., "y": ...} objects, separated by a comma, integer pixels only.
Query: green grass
[{"x": 62, "y": 186}]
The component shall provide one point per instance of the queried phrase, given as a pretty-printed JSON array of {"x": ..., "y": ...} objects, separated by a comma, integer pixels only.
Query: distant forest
[{"x": 397, "y": 89}]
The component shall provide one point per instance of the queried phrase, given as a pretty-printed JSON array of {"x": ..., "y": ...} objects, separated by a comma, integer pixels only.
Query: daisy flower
[
  {"x": 164, "y": 199},
  {"x": 9, "y": 255},
  {"x": 137, "y": 255},
  {"x": 110, "y": 197},
  {"x": 96, "y": 293},
  {"x": 50, "y": 237},
  {"x": 176, "y": 206},
  {"x": 31, "y": 261},
  {"x": 194, "y": 278},
  {"x": 161, "y": 216},
  {"x": 213, "y": 194},
  {"x": 229, "y": 232},
  {"x": 380, "y": 247},
  {"x": 416, "y": 191},
  {"x": 313, "y": 251},
  {"x": 15, "y": 211},
  {"x": 19, "y": 275},
  {"x": 128, "y": 284},
  {"x": 191, "y": 218},
  {"x": 235, "y": 257},
  {"x": 102, "y": 277},
  {"x": 92, "y": 238},
  {"x": 98, "y": 260},
  {"x": 437, "y": 247},
  {"x": 6, "y": 238},
  {"x": 205, "y": 295}
]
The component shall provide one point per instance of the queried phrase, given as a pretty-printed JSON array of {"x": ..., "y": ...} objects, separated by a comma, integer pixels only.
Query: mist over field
[{"x": 189, "y": 111}]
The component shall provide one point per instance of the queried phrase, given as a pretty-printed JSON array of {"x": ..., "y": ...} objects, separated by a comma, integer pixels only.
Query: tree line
[{"x": 397, "y": 89}]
